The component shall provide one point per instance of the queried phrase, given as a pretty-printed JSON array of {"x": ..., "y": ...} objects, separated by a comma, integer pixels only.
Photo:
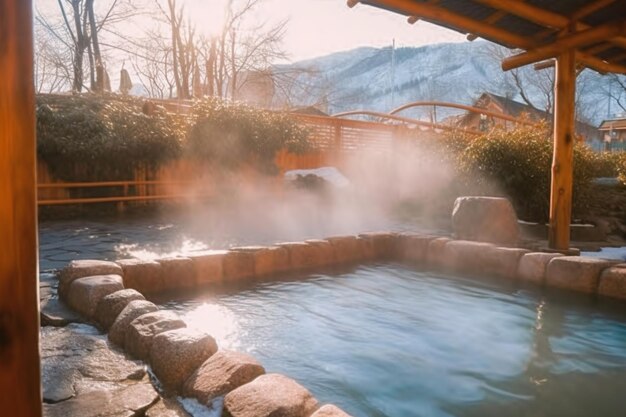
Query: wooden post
[
  {"x": 20, "y": 385},
  {"x": 563, "y": 159}
]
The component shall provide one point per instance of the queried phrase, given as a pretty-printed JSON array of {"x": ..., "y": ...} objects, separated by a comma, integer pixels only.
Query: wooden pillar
[
  {"x": 563, "y": 159},
  {"x": 20, "y": 387}
]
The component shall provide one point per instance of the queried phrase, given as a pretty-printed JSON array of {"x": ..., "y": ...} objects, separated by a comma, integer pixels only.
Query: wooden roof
[
  {"x": 542, "y": 28},
  {"x": 617, "y": 124}
]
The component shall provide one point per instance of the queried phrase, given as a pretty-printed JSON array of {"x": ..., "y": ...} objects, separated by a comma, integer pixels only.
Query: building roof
[
  {"x": 618, "y": 124},
  {"x": 517, "y": 109},
  {"x": 533, "y": 25}
]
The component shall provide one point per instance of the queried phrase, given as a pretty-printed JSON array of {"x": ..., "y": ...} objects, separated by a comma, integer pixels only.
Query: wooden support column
[
  {"x": 20, "y": 386},
  {"x": 563, "y": 159}
]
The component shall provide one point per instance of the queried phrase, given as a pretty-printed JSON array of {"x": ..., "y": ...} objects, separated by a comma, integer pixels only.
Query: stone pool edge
[{"x": 188, "y": 362}]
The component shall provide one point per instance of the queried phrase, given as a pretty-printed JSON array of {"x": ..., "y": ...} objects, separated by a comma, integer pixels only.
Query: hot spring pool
[{"x": 383, "y": 340}]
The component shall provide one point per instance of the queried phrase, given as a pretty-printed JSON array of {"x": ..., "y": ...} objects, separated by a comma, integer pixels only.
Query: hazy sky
[
  {"x": 319, "y": 27},
  {"x": 315, "y": 27}
]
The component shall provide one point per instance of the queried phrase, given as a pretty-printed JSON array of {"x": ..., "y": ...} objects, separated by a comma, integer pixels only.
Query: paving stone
[
  {"x": 134, "y": 309},
  {"x": 143, "y": 329},
  {"x": 178, "y": 272},
  {"x": 220, "y": 374},
  {"x": 143, "y": 276},
  {"x": 78, "y": 352},
  {"x": 112, "y": 305},
  {"x": 209, "y": 266},
  {"x": 85, "y": 293},
  {"x": 176, "y": 354},
  {"x": 125, "y": 401},
  {"x": 270, "y": 395},
  {"x": 532, "y": 266},
  {"x": 330, "y": 410},
  {"x": 54, "y": 312},
  {"x": 85, "y": 268},
  {"x": 167, "y": 407},
  {"x": 576, "y": 273},
  {"x": 613, "y": 282}
]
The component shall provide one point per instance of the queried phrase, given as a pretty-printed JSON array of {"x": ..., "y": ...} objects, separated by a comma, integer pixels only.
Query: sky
[{"x": 320, "y": 27}]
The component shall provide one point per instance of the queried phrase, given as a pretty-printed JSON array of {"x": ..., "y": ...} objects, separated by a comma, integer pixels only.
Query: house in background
[
  {"x": 614, "y": 134},
  {"x": 499, "y": 104}
]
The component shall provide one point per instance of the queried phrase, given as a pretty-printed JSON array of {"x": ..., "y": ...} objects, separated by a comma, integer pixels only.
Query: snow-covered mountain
[{"x": 454, "y": 72}]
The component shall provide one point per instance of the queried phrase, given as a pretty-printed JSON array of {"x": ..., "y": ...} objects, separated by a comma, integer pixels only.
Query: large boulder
[
  {"x": 85, "y": 293},
  {"x": 613, "y": 282},
  {"x": 485, "y": 219},
  {"x": 134, "y": 309},
  {"x": 532, "y": 266},
  {"x": 330, "y": 410},
  {"x": 576, "y": 273},
  {"x": 141, "y": 275},
  {"x": 176, "y": 354},
  {"x": 112, "y": 305},
  {"x": 85, "y": 268},
  {"x": 270, "y": 395},
  {"x": 220, "y": 374},
  {"x": 142, "y": 330}
]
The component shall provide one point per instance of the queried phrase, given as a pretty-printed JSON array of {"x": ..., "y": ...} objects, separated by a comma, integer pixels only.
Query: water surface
[{"x": 382, "y": 340}]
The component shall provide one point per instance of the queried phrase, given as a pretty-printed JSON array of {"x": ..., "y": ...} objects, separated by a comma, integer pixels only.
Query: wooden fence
[{"x": 332, "y": 138}]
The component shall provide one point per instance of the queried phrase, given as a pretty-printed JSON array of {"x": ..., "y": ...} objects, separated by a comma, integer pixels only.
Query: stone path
[{"x": 83, "y": 375}]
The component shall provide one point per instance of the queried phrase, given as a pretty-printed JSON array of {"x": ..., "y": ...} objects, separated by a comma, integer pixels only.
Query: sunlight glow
[{"x": 216, "y": 320}]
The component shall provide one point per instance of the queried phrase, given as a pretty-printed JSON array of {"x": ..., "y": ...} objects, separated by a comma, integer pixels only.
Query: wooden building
[
  {"x": 498, "y": 104},
  {"x": 614, "y": 134}
]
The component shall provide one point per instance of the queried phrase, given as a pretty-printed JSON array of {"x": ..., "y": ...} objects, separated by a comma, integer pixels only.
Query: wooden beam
[
  {"x": 576, "y": 40},
  {"x": 563, "y": 157},
  {"x": 493, "y": 18},
  {"x": 596, "y": 49},
  {"x": 599, "y": 65},
  {"x": 590, "y": 8},
  {"x": 20, "y": 383},
  {"x": 529, "y": 12},
  {"x": 440, "y": 15},
  {"x": 545, "y": 65}
]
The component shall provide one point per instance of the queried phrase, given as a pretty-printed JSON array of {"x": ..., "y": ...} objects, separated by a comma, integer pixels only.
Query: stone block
[
  {"x": 209, "y": 266},
  {"x": 220, "y": 374},
  {"x": 485, "y": 219},
  {"x": 112, "y": 305},
  {"x": 613, "y": 282},
  {"x": 532, "y": 266},
  {"x": 85, "y": 268},
  {"x": 178, "y": 272},
  {"x": 436, "y": 253},
  {"x": 302, "y": 255},
  {"x": 238, "y": 266},
  {"x": 325, "y": 252},
  {"x": 576, "y": 273},
  {"x": 142, "y": 330},
  {"x": 142, "y": 275},
  {"x": 348, "y": 249},
  {"x": 268, "y": 260},
  {"x": 503, "y": 262},
  {"x": 412, "y": 247},
  {"x": 85, "y": 293},
  {"x": 176, "y": 354},
  {"x": 134, "y": 309},
  {"x": 330, "y": 410},
  {"x": 384, "y": 245},
  {"x": 270, "y": 395},
  {"x": 467, "y": 257}
]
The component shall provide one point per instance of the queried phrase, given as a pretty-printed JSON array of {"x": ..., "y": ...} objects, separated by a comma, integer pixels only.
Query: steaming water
[{"x": 386, "y": 341}]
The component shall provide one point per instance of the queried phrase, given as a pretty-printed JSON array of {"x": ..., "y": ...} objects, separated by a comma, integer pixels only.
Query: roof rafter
[{"x": 576, "y": 40}]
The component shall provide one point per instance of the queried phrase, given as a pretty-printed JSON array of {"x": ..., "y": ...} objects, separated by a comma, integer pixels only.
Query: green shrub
[
  {"x": 91, "y": 138},
  {"x": 517, "y": 164},
  {"x": 232, "y": 134},
  {"x": 621, "y": 167}
]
